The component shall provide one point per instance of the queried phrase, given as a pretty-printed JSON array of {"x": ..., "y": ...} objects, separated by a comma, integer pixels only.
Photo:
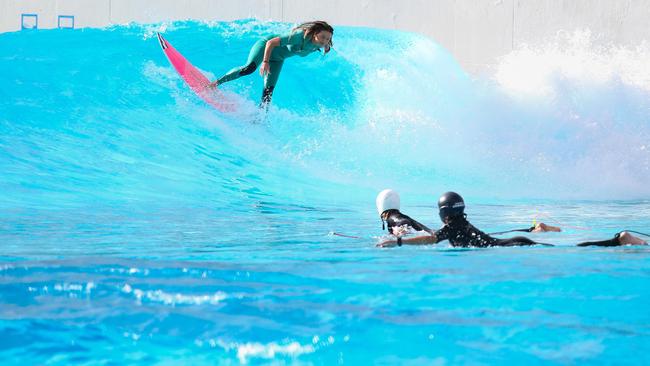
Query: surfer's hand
[
  {"x": 387, "y": 244},
  {"x": 265, "y": 69},
  {"x": 400, "y": 230},
  {"x": 213, "y": 84}
]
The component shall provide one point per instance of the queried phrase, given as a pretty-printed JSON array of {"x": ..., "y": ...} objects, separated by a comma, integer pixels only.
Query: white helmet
[{"x": 387, "y": 200}]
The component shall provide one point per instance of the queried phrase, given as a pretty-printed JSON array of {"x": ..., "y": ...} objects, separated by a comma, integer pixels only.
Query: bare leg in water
[{"x": 622, "y": 238}]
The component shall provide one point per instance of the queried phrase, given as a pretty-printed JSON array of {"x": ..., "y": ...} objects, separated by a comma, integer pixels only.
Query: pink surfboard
[{"x": 195, "y": 79}]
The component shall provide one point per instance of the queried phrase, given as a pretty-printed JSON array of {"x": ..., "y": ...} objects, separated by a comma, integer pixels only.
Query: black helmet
[{"x": 450, "y": 204}]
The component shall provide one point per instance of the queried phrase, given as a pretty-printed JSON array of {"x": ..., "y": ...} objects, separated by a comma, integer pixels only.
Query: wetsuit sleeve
[
  {"x": 442, "y": 233},
  {"x": 422, "y": 227},
  {"x": 293, "y": 38},
  {"x": 514, "y": 241},
  {"x": 613, "y": 242},
  {"x": 416, "y": 225}
]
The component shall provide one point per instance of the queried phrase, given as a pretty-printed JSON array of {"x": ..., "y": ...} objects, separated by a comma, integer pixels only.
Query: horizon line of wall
[{"x": 476, "y": 32}]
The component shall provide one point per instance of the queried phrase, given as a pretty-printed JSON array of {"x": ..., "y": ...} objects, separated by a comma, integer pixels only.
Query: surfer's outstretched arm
[{"x": 418, "y": 240}]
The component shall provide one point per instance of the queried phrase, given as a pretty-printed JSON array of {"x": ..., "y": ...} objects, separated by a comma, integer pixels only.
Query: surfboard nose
[{"x": 162, "y": 41}]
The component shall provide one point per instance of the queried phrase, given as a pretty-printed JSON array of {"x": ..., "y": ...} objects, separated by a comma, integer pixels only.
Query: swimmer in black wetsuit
[
  {"x": 461, "y": 233},
  {"x": 398, "y": 224}
]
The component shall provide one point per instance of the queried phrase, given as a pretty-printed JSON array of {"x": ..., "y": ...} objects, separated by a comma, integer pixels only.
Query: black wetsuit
[
  {"x": 613, "y": 242},
  {"x": 398, "y": 219},
  {"x": 461, "y": 233}
]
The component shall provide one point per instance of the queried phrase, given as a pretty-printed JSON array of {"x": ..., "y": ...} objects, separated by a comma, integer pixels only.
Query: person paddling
[{"x": 461, "y": 233}]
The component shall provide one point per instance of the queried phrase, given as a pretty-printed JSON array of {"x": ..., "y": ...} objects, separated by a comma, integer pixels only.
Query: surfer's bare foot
[
  {"x": 627, "y": 238},
  {"x": 542, "y": 227},
  {"x": 213, "y": 84}
]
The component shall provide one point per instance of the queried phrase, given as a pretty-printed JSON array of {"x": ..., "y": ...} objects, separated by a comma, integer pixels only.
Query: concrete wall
[
  {"x": 477, "y": 32},
  {"x": 87, "y": 13}
]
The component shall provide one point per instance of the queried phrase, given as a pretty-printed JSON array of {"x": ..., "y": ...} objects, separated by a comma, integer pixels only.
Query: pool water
[{"x": 140, "y": 226}]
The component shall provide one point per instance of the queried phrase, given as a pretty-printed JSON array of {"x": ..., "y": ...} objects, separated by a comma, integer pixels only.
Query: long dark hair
[{"x": 313, "y": 28}]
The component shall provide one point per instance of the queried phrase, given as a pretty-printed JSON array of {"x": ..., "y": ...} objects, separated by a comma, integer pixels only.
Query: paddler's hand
[
  {"x": 387, "y": 244},
  {"x": 265, "y": 68}
]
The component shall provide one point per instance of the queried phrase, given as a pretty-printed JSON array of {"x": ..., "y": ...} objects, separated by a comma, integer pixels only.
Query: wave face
[
  {"x": 100, "y": 117},
  {"x": 140, "y": 226}
]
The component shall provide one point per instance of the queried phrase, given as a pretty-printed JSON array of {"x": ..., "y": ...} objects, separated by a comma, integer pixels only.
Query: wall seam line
[{"x": 512, "y": 33}]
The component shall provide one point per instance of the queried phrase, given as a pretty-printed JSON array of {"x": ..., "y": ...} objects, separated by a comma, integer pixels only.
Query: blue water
[{"x": 140, "y": 226}]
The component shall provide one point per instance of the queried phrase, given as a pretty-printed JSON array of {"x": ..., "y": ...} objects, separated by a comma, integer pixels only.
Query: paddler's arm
[
  {"x": 270, "y": 45},
  {"x": 417, "y": 240},
  {"x": 424, "y": 228}
]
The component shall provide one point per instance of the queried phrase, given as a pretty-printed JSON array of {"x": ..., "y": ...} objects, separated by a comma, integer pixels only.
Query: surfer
[
  {"x": 270, "y": 52},
  {"x": 461, "y": 233},
  {"x": 398, "y": 224}
]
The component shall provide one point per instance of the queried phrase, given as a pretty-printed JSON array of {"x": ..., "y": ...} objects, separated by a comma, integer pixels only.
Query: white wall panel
[
  {"x": 146, "y": 11},
  {"x": 86, "y": 13},
  {"x": 476, "y": 19},
  {"x": 610, "y": 21},
  {"x": 45, "y": 9},
  {"x": 477, "y": 32}
]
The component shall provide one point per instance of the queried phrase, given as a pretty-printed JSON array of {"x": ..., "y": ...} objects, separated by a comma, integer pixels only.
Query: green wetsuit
[{"x": 291, "y": 44}]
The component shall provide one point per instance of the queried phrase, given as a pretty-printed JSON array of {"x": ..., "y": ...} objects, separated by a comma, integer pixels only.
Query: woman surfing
[{"x": 270, "y": 52}]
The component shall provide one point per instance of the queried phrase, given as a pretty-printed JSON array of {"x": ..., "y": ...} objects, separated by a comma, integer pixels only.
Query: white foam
[
  {"x": 151, "y": 30},
  {"x": 175, "y": 298},
  {"x": 67, "y": 287},
  {"x": 250, "y": 350},
  {"x": 577, "y": 56}
]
